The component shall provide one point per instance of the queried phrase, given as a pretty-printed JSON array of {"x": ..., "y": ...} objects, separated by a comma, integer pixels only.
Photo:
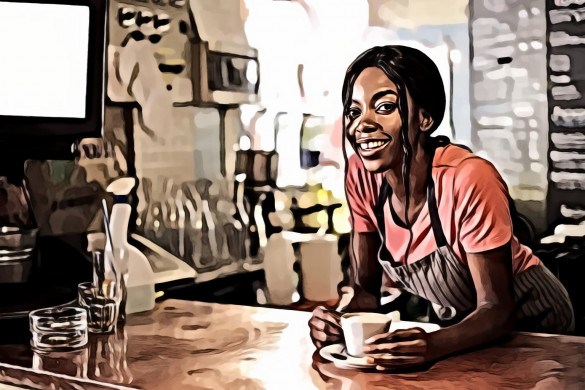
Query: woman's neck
[{"x": 419, "y": 165}]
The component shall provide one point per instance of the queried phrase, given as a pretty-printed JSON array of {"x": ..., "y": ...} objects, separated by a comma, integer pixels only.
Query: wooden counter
[{"x": 193, "y": 345}]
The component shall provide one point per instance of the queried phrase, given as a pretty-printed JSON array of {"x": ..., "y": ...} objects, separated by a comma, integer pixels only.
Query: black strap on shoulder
[
  {"x": 440, "y": 239},
  {"x": 385, "y": 192}
]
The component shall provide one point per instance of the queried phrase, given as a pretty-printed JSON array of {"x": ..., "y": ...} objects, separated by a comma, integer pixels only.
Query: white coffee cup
[{"x": 358, "y": 327}]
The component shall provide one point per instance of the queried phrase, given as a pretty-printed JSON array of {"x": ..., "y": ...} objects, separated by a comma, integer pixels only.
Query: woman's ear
[{"x": 425, "y": 119}]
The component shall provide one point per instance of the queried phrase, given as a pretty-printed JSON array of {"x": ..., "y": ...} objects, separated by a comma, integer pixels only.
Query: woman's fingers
[
  {"x": 319, "y": 335},
  {"x": 399, "y": 349},
  {"x": 327, "y": 315},
  {"x": 411, "y": 347},
  {"x": 325, "y": 334},
  {"x": 398, "y": 335},
  {"x": 325, "y": 320},
  {"x": 325, "y": 328},
  {"x": 386, "y": 362},
  {"x": 321, "y": 338},
  {"x": 379, "y": 338}
]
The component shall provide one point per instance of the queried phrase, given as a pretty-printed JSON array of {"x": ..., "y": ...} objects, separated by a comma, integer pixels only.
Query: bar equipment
[
  {"x": 321, "y": 268},
  {"x": 17, "y": 254},
  {"x": 193, "y": 78},
  {"x": 108, "y": 357},
  {"x": 61, "y": 328},
  {"x": 209, "y": 247},
  {"x": 102, "y": 305},
  {"x": 44, "y": 133},
  {"x": 73, "y": 363},
  {"x": 96, "y": 244}
]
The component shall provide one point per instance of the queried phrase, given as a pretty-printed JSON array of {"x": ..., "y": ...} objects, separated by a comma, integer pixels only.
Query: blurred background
[{"x": 229, "y": 114}]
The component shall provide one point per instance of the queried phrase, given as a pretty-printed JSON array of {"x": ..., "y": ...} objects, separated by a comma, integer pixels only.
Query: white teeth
[{"x": 371, "y": 145}]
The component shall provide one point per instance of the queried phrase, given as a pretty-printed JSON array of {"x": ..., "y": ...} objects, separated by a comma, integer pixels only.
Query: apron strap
[
  {"x": 440, "y": 239},
  {"x": 385, "y": 191}
]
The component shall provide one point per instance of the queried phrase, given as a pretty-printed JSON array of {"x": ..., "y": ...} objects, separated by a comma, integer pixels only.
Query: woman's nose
[{"x": 366, "y": 125}]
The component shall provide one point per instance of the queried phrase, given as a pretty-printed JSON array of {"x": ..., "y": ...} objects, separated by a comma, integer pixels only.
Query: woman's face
[{"x": 373, "y": 121}]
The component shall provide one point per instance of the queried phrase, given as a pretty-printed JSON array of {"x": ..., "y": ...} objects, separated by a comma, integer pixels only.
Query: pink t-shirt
[{"x": 472, "y": 202}]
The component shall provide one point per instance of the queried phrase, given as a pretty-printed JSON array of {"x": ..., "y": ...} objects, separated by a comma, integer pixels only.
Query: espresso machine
[{"x": 188, "y": 68}]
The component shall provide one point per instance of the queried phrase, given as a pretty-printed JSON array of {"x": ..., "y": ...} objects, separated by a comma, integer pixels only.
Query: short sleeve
[
  {"x": 482, "y": 206},
  {"x": 358, "y": 197}
]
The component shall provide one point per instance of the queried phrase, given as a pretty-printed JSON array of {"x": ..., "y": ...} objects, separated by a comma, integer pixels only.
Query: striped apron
[{"x": 542, "y": 303}]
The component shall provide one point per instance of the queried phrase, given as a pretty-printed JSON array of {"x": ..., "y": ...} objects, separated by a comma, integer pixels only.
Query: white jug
[{"x": 321, "y": 268}]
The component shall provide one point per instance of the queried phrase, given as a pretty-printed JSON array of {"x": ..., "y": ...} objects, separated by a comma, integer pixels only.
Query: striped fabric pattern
[
  {"x": 439, "y": 278},
  {"x": 542, "y": 302}
]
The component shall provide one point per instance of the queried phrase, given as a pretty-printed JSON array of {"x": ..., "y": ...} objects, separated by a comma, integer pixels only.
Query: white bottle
[
  {"x": 281, "y": 279},
  {"x": 140, "y": 277},
  {"x": 321, "y": 268}
]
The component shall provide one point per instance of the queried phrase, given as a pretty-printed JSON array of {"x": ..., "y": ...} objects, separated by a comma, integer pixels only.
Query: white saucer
[{"x": 337, "y": 354}]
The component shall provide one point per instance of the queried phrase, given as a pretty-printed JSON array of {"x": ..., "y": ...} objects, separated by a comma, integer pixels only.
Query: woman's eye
[
  {"x": 353, "y": 113},
  {"x": 386, "y": 107}
]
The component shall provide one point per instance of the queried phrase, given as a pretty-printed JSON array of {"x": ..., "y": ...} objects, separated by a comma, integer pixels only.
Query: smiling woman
[{"x": 433, "y": 219}]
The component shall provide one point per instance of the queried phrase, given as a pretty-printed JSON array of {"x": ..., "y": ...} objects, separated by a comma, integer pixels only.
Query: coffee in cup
[{"x": 358, "y": 327}]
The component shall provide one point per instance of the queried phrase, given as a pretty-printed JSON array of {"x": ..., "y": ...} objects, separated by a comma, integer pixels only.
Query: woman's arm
[
  {"x": 494, "y": 315},
  {"x": 492, "y": 319},
  {"x": 367, "y": 272},
  {"x": 364, "y": 293}
]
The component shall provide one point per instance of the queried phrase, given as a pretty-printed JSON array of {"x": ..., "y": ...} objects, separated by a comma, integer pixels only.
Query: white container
[
  {"x": 321, "y": 268},
  {"x": 140, "y": 276},
  {"x": 281, "y": 279}
]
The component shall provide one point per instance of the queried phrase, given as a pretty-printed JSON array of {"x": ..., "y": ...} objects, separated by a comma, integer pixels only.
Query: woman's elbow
[{"x": 502, "y": 316}]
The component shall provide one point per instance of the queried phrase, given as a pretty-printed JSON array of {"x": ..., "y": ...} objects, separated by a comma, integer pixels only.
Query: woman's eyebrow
[{"x": 385, "y": 92}]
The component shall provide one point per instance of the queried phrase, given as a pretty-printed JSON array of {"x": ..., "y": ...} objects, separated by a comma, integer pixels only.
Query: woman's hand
[
  {"x": 325, "y": 327},
  {"x": 400, "y": 349}
]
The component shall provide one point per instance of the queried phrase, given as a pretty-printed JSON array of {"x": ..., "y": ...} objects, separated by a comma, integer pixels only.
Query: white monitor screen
[{"x": 44, "y": 50}]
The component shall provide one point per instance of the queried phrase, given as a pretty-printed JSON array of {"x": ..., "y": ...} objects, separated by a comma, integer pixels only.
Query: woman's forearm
[
  {"x": 487, "y": 323},
  {"x": 357, "y": 299}
]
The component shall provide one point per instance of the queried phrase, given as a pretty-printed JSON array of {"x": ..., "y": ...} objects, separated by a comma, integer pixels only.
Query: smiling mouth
[{"x": 371, "y": 147}]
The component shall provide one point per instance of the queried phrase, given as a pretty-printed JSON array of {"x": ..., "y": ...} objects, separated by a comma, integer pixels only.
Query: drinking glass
[
  {"x": 58, "y": 328},
  {"x": 102, "y": 307}
]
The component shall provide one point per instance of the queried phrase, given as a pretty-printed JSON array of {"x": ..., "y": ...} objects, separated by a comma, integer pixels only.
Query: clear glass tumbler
[
  {"x": 58, "y": 328},
  {"x": 102, "y": 307}
]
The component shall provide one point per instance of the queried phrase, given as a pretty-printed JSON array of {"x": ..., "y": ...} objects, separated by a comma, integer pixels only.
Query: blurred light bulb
[
  {"x": 252, "y": 72},
  {"x": 455, "y": 56},
  {"x": 245, "y": 143}
]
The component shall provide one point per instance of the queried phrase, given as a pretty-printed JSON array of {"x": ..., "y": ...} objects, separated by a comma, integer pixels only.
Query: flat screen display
[{"x": 44, "y": 66}]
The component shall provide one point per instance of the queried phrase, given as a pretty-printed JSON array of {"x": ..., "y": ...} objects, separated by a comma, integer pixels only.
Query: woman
[{"x": 432, "y": 218}]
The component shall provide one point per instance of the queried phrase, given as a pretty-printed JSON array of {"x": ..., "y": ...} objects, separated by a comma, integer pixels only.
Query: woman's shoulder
[
  {"x": 463, "y": 166},
  {"x": 452, "y": 155}
]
